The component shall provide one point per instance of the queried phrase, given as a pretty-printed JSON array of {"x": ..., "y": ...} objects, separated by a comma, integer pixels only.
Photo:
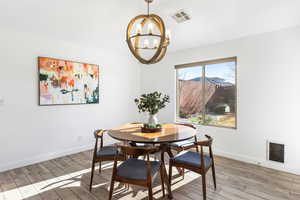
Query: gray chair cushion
[
  {"x": 191, "y": 159},
  {"x": 107, "y": 151},
  {"x": 136, "y": 169},
  {"x": 182, "y": 143}
]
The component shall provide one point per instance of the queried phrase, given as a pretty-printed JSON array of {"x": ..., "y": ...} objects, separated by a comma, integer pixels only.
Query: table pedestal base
[{"x": 164, "y": 148}]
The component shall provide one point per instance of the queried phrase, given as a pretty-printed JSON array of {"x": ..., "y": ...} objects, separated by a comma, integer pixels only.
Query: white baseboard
[
  {"x": 43, "y": 157},
  {"x": 251, "y": 160},
  {"x": 49, "y": 156}
]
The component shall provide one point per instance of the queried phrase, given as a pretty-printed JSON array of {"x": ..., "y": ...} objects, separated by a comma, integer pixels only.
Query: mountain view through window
[{"x": 206, "y": 93}]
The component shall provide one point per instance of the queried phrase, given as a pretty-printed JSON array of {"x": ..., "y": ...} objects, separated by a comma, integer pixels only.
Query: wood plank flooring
[{"x": 67, "y": 178}]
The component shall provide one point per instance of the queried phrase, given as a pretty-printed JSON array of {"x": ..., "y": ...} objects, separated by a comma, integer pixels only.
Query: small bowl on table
[{"x": 151, "y": 129}]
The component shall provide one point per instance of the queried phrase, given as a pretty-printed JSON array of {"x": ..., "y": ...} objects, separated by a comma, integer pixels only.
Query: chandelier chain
[{"x": 148, "y": 8}]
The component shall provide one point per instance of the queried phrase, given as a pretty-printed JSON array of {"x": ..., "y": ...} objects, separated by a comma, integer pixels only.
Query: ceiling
[
  {"x": 103, "y": 23},
  {"x": 219, "y": 20}
]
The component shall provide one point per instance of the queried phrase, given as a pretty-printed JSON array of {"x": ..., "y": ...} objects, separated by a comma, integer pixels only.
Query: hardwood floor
[{"x": 68, "y": 177}]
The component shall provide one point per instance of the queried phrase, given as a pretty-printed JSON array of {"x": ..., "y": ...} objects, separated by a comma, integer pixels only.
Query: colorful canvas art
[{"x": 64, "y": 82}]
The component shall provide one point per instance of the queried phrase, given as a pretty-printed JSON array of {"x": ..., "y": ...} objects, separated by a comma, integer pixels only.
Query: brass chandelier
[{"x": 147, "y": 37}]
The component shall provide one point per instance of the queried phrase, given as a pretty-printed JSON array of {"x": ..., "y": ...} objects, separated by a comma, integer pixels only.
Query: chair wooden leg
[
  {"x": 214, "y": 175},
  {"x": 170, "y": 173},
  {"x": 180, "y": 170},
  {"x": 92, "y": 175},
  {"x": 100, "y": 167},
  {"x": 150, "y": 193},
  {"x": 111, "y": 189},
  {"x": 204, "y": 186},
  {"x": 162, "y": 181}
]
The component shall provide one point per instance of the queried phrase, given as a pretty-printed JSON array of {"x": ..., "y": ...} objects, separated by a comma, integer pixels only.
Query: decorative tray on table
[{"x": 151, "y": 129}]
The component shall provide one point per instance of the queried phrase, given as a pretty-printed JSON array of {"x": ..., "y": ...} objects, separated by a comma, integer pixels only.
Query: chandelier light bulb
[
  {"x": 139, "y": 29},
  {"x": 155, "y": 43},
  {"x": 146, "y": 43},
  {"x": 150, "y": 28}
]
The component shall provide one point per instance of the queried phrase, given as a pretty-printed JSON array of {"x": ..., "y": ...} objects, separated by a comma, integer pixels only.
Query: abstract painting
[{"x": 63, "y": 82}]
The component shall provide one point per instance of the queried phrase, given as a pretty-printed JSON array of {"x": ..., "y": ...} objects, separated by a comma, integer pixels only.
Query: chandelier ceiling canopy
[{"x": 147, "y": 37}]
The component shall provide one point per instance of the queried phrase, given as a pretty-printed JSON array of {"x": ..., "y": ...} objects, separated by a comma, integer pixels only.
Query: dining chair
[
  {"x": 103, "y": 153},
  {"x": 135, "y": 171},
  {"x": 196, "y": 162},
  {"x": 186, "y": 144}
]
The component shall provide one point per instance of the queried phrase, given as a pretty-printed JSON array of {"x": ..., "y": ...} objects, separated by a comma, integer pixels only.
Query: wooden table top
[{"x": 169, "y": 133}]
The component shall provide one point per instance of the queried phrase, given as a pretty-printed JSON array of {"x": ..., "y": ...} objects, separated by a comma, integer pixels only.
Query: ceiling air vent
[{"x": 181, "y": 16}]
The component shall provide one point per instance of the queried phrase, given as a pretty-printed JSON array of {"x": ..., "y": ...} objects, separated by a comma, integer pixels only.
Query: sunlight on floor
[
  {"x": 66, "y": 181},
  {"x": 75, "y": 180}
]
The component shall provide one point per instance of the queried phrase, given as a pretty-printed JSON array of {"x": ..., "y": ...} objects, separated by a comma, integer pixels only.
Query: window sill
[{"x": 202, "y": 125}]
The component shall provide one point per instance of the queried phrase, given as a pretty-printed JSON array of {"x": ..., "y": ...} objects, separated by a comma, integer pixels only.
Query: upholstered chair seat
[
  {"x": 191, "y": 158},
  {"x": 136, "y": 169},
  {"x": 107, "y": 151}
]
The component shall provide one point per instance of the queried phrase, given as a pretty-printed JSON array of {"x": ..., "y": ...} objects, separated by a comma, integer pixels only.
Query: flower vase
[{"x": 152, "y": 121}]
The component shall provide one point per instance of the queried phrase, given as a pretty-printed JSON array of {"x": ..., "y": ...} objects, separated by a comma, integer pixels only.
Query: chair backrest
[
  {"x": 98, "y": 134},
  {"x": 205, "y": 143},
  {"x": 186, "y": 124},
  {"x": 135, "y": 151},
  {"x": 192, "y": 126}
]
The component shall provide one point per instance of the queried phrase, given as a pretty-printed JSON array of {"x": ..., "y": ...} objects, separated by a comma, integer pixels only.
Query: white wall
[
  {"x": 30, "y": 133},
  {"x": 268, "y": 94}
]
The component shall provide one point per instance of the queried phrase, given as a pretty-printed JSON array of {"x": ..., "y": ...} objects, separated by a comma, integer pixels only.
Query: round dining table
[{"x": 170, "y": 133}]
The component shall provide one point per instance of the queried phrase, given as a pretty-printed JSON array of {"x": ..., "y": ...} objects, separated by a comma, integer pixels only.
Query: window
[{"x": 206, "y": 93}]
